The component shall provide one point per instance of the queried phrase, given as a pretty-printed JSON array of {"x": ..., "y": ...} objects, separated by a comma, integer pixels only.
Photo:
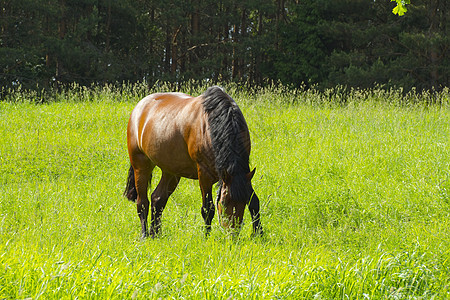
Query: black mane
[{"x": 229, "y": 138}]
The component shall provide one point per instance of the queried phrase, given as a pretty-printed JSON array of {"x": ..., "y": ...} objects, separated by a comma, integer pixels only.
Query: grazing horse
[{"x": 204, "y": 138}]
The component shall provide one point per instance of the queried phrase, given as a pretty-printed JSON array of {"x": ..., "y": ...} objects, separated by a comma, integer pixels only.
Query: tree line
[{"x": 354, "y": 43}]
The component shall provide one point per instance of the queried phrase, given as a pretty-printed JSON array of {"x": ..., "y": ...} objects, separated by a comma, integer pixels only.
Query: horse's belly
[
  {"x": 179, "y": 168},
  {"x": 172, "y": 157}
]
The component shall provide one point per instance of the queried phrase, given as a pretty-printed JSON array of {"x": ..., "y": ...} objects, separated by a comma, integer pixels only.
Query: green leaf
[{"x": 399, "y": 10}]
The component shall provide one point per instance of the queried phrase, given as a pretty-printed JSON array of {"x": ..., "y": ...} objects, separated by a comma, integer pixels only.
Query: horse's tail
[{"x": 130, "y": 191}]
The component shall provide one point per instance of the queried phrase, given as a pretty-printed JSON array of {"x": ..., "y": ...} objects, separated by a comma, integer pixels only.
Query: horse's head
[{"x": 234, "y": 193}]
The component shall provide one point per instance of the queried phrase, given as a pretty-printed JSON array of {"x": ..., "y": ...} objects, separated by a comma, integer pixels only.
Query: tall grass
[{"x": 355, "y": 191}]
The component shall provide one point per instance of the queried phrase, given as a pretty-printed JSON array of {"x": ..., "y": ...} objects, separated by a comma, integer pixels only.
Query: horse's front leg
[
  {"x": 208, "y": 208},
  {"x": 208, "y": 211},
  {"x": 253, "y": 207}
]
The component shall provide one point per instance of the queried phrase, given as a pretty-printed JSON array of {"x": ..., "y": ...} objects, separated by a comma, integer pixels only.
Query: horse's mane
[{"x": 229, "y": 138}]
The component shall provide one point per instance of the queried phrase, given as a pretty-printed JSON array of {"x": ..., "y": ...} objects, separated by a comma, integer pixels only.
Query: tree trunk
[
  {"x": 195, "y": 22},
  {"x": 174, "y": 55},
  {"x": 61, "y": 35},
  {"x": 167, "y": 51},
  {"x": 433, "y": 56},
  {"x": 108, "y": 29}
]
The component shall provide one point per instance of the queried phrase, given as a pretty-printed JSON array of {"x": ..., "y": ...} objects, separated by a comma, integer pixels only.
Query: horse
[{"x": 205, "y": 138}]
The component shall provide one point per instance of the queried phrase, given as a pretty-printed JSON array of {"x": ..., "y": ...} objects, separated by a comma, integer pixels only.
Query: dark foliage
[{"x": 50, "y": 43}]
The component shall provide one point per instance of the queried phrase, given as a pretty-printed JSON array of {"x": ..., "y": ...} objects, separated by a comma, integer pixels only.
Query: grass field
[{"x": 355, "y": 202}]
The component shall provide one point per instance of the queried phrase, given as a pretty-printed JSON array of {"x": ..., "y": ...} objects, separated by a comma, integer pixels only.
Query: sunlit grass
[{"x": 355, "y": 202}]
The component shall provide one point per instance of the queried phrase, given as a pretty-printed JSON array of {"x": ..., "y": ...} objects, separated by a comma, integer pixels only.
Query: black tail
[{"x": 130, "y": 191}]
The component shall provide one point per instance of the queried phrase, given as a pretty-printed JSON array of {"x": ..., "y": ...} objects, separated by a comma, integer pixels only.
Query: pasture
[{"x": 355, "y": 202}]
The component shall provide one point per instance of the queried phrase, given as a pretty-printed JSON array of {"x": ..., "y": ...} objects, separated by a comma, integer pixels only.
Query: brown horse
[{"x": 204, "y": 138}]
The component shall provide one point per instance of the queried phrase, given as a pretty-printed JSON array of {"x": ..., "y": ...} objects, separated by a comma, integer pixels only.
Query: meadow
[{"x": 354, "y": 188}]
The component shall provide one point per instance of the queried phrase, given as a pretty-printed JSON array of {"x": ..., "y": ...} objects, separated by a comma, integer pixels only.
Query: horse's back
[{"x": 166, "y": 127}]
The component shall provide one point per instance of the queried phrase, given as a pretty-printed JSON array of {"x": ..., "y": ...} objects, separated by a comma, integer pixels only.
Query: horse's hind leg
[
  {"x": 143, "y": 168},
  {"x": 160, "y": 195}
]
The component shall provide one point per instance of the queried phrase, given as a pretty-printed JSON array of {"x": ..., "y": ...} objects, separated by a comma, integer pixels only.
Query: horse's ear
[{"x": 251, "y": 174}]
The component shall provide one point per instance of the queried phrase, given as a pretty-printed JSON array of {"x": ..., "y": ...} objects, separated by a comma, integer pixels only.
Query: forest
[{"x": 299, "y": 43}]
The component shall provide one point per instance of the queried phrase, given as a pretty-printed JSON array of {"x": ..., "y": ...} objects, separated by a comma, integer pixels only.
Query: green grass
[{"x": 355, "y": 202}]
